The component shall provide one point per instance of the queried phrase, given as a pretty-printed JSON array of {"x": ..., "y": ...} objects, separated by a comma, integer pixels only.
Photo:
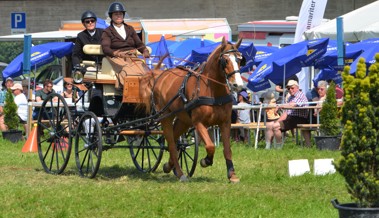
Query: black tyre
[
  {"x": 54, "y": 134},
  {"x": 88, "y": 145},
  {"x": 188, "y": 151}
]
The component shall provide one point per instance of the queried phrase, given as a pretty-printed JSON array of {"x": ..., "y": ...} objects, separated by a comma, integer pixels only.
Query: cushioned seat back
[{"x": 106, "y": 71}]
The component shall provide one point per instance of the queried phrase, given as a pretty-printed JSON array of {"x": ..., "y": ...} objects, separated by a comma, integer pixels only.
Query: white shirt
[
  {"x": 22, "y": 106},
  {"x": 121, "y": 31}
]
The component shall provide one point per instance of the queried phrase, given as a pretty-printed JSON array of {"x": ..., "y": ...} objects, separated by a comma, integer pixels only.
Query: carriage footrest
[
  {"x": 131, "y": 89},
  {"x": 140, "y": 132}
]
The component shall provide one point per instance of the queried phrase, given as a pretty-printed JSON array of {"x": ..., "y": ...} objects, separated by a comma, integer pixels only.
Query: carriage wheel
[
  {"x": 88, "y": 145},
  {"x": 146, "y": 151},
  {"x": 188, "y": 151},
  {"x": 54, "y": 136}
]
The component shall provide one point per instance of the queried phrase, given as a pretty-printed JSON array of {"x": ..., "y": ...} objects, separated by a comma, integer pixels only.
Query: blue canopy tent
[
  {"x": 40, "y": 55},
  {"x": 286, "y": 62}
]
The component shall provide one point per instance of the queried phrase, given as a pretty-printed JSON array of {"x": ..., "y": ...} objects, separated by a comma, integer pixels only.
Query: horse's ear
[
  {"x": 239, "y": 42},
  {"x": 223, "y": 43}
]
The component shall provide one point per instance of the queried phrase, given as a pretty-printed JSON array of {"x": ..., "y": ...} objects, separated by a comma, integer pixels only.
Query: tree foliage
[
  {"x": 10, "y": 111},
  {"x": 10, "y": 50},
  {"x": 359, "y": 146},
  {"x": 329, "y": 114}
]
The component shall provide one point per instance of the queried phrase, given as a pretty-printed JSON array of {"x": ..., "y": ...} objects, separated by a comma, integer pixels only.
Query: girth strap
[{"x": 204, "y": 100}]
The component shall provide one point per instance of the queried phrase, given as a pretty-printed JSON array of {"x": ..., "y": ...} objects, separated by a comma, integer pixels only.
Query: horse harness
[{"x": 189, "y": 105}]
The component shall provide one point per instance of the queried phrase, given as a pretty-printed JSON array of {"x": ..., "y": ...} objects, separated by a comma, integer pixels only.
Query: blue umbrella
[
  {"x": 329, "y": 60},
  {"x": 263, "y": 52},
  {"x": 200, "y": 55},
  {"x": 161, "y": 51},
  {"x": 370, "y": 47},
  {"x": 155, "y": 45},
  {"x": 286, "y": 62},
  {"x": 39, "y": 55},
  {"x": 100, "y": 23},
  {"x": 181, "y": 49},
  {"x": 328, "y": 74}
]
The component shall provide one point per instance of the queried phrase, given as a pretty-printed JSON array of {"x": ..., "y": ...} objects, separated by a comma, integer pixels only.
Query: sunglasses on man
[{"x": 89, "y": 21}]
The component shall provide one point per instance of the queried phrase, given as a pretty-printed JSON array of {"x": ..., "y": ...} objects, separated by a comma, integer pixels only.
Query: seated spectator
[
  {"x": 339, "y": 95},
  {"x": 69, "y": 92},
  {"x": 41, "y": 95},
  {"x": 322, "y": 87},
  {"x": 22, "y": 104},
  {"x": 282, "y": 92},
  {"x": 272, "y": 116},
  {"x": 291, "y": 117},
  {"x": 243, "y": 116},
  {"x": 7, "y": 85},
  {"x": 234, "y": 132}
]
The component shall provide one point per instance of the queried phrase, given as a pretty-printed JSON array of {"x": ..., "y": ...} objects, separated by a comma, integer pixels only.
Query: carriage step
[{"x": 140, "y": 132}]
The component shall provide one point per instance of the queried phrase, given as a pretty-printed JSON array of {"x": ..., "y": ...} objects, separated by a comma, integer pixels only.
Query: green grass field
[{"x": 119, "y": 190}]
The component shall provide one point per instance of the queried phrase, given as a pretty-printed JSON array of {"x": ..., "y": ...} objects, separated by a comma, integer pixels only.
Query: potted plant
[
  {"x": 359, "y": 161},
  {"x": 330, "y": 133},
  {"x": 11, "y": 119}
]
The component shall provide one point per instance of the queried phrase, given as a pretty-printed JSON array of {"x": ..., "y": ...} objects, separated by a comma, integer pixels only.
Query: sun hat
[
  {"x": 244, "y": 95},
  {"x": 17, "y": 86},
  {"x": 292, "y": 83},
  {"x": 9, "y": 78},
  {"x": 269, "y": 97}
]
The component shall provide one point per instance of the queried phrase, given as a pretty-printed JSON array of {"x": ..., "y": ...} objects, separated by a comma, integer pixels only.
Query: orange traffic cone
[{"x": 31, "y": 144}]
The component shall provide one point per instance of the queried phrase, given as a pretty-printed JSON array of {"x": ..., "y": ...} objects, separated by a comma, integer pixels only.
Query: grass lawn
[{"x": 119, "y": 190}]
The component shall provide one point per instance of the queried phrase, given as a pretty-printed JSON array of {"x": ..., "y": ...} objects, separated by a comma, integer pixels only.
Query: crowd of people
[
  {"x": 120, "y": 44},
  {"x": 282, "y": 114}
]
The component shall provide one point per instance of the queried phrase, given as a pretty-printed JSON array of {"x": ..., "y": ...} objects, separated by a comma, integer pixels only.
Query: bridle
[{"x": 223, "y": 62}]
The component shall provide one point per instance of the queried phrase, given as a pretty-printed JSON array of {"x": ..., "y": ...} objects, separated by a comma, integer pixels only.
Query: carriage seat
[{"x": 106, "y": 72}]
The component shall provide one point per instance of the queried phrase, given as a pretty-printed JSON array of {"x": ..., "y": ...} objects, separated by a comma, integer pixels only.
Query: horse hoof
[
  {"x": 234, "y": 179},
  {"x": 204, "y": 163},
  {"x": 183, "y": 178},
  {"x": 166, "y": 168}
]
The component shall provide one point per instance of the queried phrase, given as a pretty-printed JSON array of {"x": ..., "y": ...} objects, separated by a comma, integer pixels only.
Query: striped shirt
[{"x": 300, "y": 99}]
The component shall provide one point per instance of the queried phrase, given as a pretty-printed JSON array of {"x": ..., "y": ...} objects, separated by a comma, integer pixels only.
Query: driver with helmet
[
  {"x": 120, "y": 43},
  {"x": 91, "y": 35}
]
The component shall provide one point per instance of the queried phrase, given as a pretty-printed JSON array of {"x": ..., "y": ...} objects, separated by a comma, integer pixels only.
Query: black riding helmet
[
  {"x": 88, "y": 14},
  {"x": 116, "y": 7}
]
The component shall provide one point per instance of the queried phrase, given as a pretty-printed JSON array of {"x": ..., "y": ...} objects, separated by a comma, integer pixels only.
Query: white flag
[{"x": 311, "y": 15}]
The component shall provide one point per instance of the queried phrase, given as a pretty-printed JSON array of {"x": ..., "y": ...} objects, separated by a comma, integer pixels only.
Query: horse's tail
[
  {"x": 146, "y": 88},
  {"x": 158, "y": 66}
]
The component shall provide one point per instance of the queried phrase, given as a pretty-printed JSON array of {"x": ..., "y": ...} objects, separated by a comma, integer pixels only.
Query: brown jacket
[{"x": 111, "y": 41}]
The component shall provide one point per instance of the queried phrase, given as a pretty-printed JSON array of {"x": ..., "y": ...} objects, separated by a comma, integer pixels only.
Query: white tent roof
[
  {"x": 358, "y": 25},
  {"x": 51, "y": 35}
]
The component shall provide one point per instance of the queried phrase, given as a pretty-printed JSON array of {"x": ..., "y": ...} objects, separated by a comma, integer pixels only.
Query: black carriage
[{"x": 109, "y": 119}]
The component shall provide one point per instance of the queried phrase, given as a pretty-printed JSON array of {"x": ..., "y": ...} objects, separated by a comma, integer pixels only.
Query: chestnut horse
[{"x": 185, "y": 98}]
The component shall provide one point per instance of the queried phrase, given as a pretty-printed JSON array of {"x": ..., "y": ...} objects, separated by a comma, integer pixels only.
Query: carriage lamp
[{"x": 78, "y": 74}]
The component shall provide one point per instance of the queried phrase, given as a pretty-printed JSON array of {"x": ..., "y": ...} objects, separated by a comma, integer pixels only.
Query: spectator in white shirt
[{"x": 21, "y": 102}]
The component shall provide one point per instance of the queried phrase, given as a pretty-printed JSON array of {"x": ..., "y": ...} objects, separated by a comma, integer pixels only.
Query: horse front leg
[
  {"x": 225, "y": 137},
  {"x": 209, "y": 145},
  {"x": 168, "y": 132}
]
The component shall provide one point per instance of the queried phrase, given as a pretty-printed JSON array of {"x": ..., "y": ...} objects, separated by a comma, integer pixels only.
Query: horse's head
[{"x": 231, "y": 60}]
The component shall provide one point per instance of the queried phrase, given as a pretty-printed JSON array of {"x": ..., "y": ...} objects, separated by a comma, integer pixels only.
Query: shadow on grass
[{"x": 108, "y": 173}]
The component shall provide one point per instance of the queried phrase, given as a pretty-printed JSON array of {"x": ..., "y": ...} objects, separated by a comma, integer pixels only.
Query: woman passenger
[{"x": 120, "y": 43}]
